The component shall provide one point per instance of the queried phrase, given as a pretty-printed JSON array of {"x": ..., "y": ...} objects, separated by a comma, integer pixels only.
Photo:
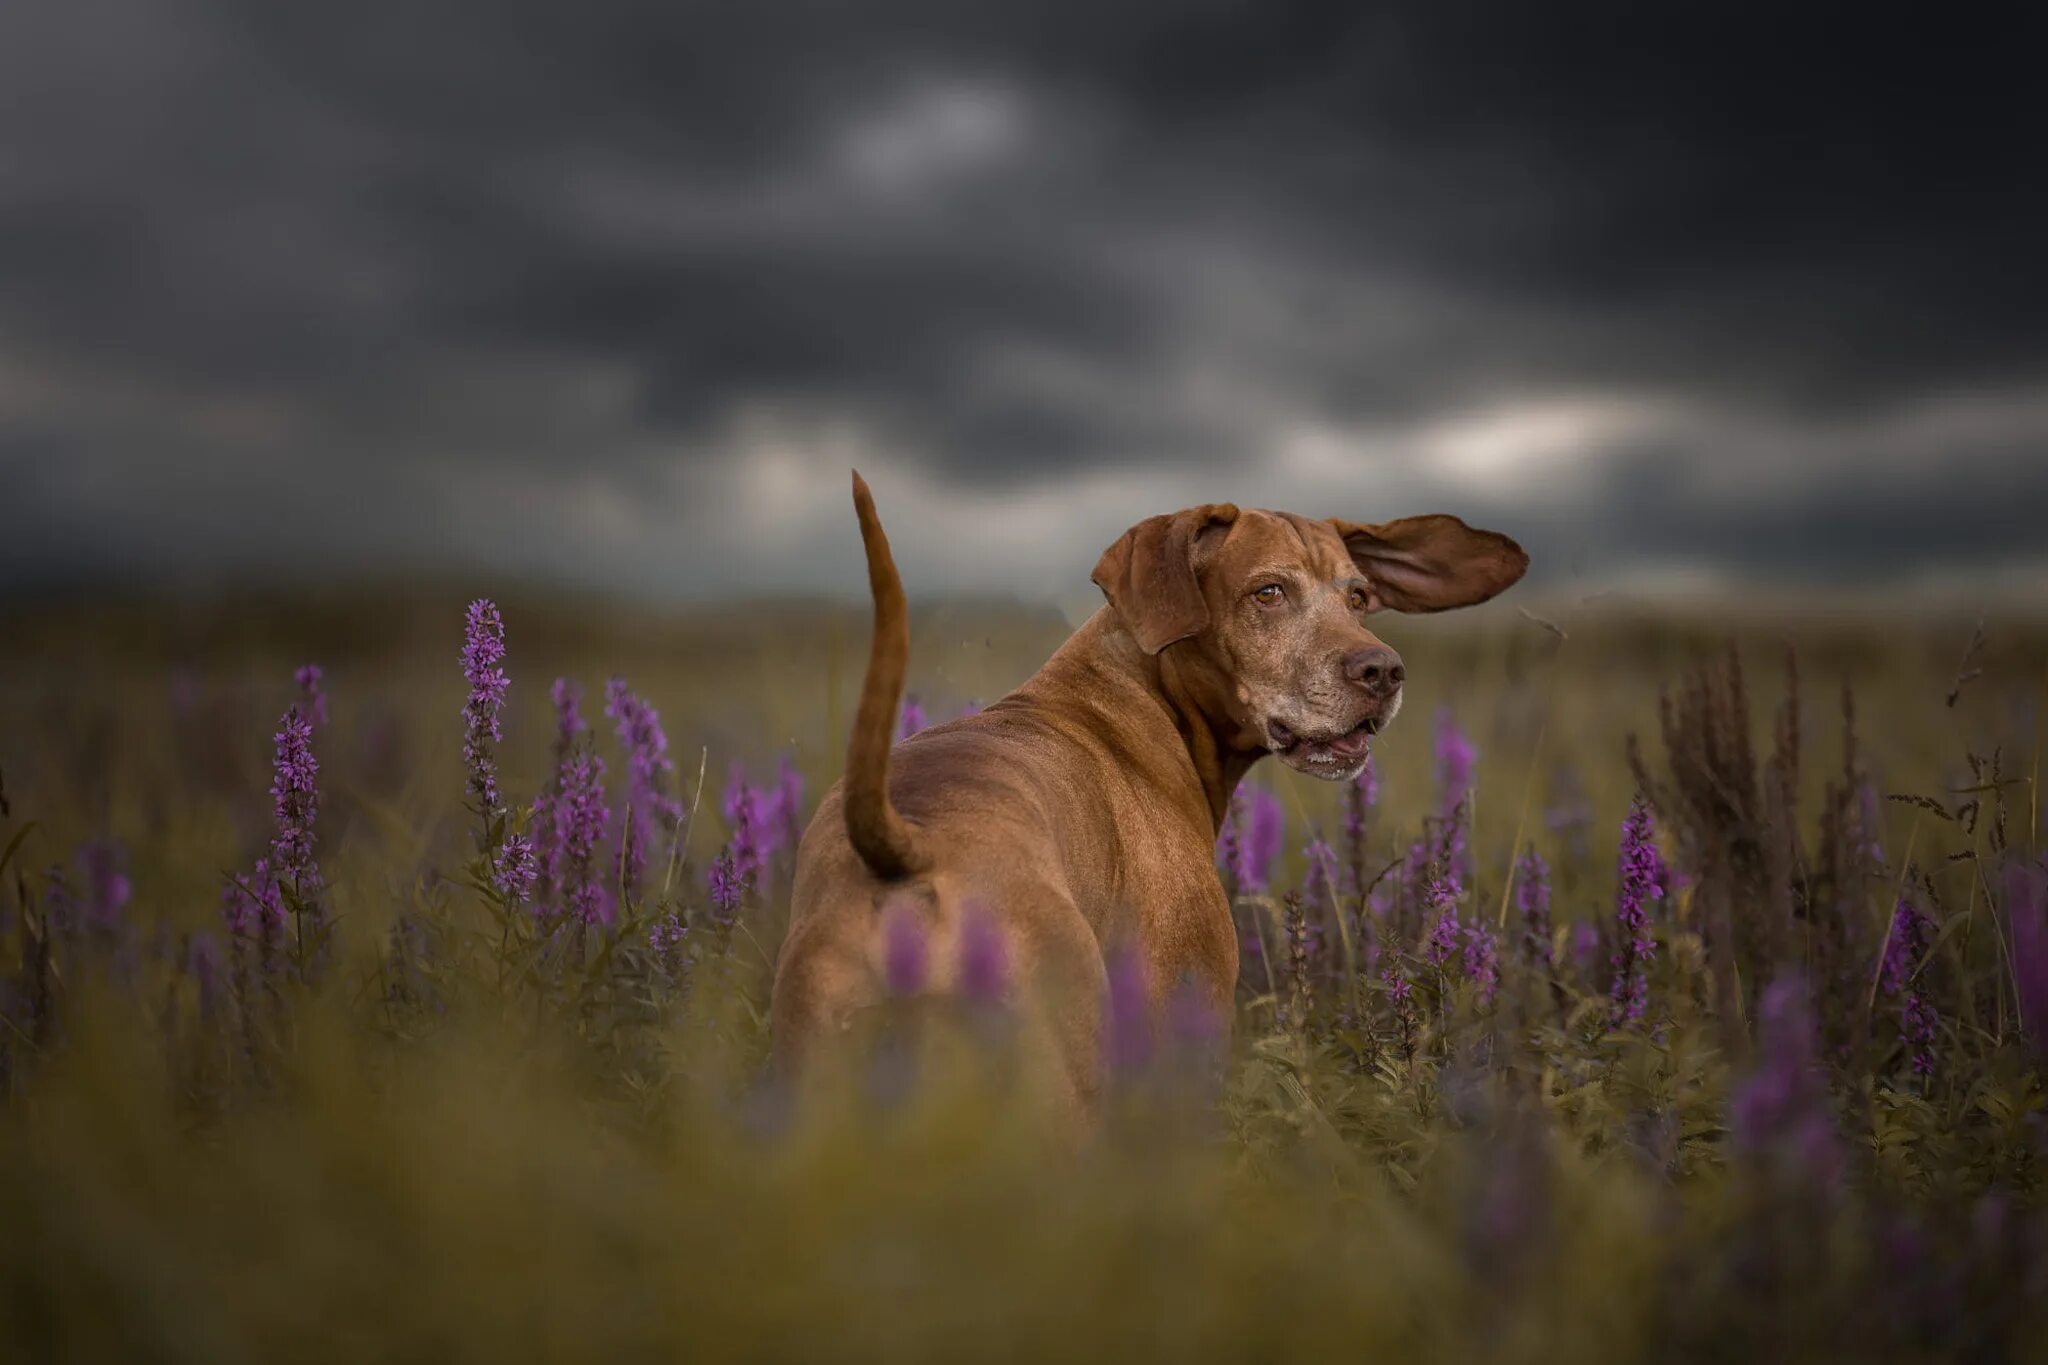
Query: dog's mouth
[{"x": 1331, "y": 752}]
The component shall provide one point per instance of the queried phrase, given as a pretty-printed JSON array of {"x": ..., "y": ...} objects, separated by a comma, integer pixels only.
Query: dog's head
[{"x": 1270, "y": 608}]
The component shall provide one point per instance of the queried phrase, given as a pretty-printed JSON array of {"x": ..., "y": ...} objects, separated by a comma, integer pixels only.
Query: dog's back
[{"x": 918, "y": 842}]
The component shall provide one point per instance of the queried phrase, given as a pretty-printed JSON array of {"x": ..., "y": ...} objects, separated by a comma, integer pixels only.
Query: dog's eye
[
  {"x": 1269, "y": 595},
  {"x": 1359, "y": 600}
]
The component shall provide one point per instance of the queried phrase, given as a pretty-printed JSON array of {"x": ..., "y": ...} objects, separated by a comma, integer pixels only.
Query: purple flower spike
[
  {"x": 580, "y": 817},
  {"x": 1905, "y": 954},
  {"x": 250, "y": 906},
  {"x": 1532, "y": 899},
  {"x": 1455, "y": 760},
  {"x": 552, "y": 816},
  {"x": 107, "y": 887},
  {"x": 316, "y": 700},
  {"x": 1230, "y": 844},
  {"x": 1779, "y": 1116},
  {"x": 1585, "y": 946},
  {"x": 1266, "y": 834},
  {"x": 1482, "y": 961},
  {"x": 1444, "y": 937},
  {"x": 666, "y": 938},
  {"x": 913, "y": 718},
  {"x": 726, "y": 884},
  {"x": 295, "y": 794},
  {"x": 739, "y": 794},
  {"x": 1643, "y": 878},
  {"x": 906, "y": 955},
  {"x": 649, "y": 802},
  {"x": 515, "y": 869},
  {"x": 2026, "y": 908},
  {"x": 568, "y": 701},
  {"x": 972, "y": 708},
  {"x": 1401, "y": 1004},
  {"x": 483, "y": 658},
  {"x": 984, "y": 957},
  {"x": 1126, "y": 1016}
]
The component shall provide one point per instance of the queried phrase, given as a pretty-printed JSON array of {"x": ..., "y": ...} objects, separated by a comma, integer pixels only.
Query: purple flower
[
  {"x": 1230, "y": 843},
  {"x": 1453, "y": 856},
  {"x": 738, "y": 796},
  {"x": 745, "y": 842},
  {"x": 906, "y": 956},
  {"x": 107, "y": 887},
  {"x": 1366, "y": 786},
  {"x": 1904, "y": 946},
  {"x": 648, "y": 771},
  {"x": 1254, "y": 828},
  {"x": 727, "y": 884},
  {"x": 316, "y": 700},
  {"x": 1442, "y": 944},
  {"x": 763, "y": 821},
  {"x": 1401, "y": 1001},
  {"x": 515, "y": 868},
  {"x": 1455, "y": 759},
  {"x": 984, "y": 956},
  {"x": 550, "y": 815},
  {"x": 483, "y": 657},
  {"x": 972, "y": 708},
  {"x": 1127, "y": 1020},
  {"x": 1532, "y": 899},
  {"x": 1918, "y": 1024},
  {"x": 568, "y": 701},
  {"x": 1642, "y": 878},
  {"x": 1779, "y": 1115},
  {"x": 250, "y": 906},
  {"x": 2026, "y": 909},
  {"x": 666, "y": 937},
  {"x": 1482, "y": 961},
  {"x": 1585, "y": 946},
  {"x": 1266, "y": 832},
  {"x": 579, "y": 817},
  {"x": 913, "y": 718},
  {"x": 295, "y": 796}
]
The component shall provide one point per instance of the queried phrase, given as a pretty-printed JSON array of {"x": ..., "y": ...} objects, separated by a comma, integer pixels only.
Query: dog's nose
[{"x": 1377, "y": 666}]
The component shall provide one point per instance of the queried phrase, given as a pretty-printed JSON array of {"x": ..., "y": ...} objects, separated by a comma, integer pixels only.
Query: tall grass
[{"x": 1654, "y": 997}]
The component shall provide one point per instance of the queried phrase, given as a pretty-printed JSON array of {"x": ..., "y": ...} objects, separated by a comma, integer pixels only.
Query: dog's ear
[
  {"x": 1149, "y": 575},
  {"x": 1431, "y": 563}
]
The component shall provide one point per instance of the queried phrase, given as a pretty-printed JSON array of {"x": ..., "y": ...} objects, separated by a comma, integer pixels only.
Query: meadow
[{"x": 1675, "y": 985}]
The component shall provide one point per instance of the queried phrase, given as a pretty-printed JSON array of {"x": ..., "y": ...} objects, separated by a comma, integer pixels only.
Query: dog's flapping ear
[
  {"x": 1149, "y": 575},
  {"x": 1431, "y": 563}
]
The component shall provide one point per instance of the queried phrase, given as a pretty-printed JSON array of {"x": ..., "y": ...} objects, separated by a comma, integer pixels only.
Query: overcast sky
[{"x": 615, "y": 291}]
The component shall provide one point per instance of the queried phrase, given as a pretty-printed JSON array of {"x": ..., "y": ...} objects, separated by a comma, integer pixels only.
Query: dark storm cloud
[{"x": 608, "y": 290}]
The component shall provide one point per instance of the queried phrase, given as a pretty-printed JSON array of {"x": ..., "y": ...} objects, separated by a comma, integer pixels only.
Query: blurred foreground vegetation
[{"x": 431, "y": 1123}]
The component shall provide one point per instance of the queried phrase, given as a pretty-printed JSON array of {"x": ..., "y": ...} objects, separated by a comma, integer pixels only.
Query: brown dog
[{"x": 1081, "y": 811}]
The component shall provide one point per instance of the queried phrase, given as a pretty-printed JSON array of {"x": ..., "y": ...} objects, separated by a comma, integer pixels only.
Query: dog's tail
[{"x": 885, "y": 841}]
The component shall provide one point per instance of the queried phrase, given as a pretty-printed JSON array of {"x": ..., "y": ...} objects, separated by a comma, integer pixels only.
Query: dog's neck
[{"x": 1101, "y": 669}]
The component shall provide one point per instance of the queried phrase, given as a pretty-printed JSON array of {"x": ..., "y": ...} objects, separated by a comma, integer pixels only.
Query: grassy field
[{"x": 1769, "y": 1086}]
